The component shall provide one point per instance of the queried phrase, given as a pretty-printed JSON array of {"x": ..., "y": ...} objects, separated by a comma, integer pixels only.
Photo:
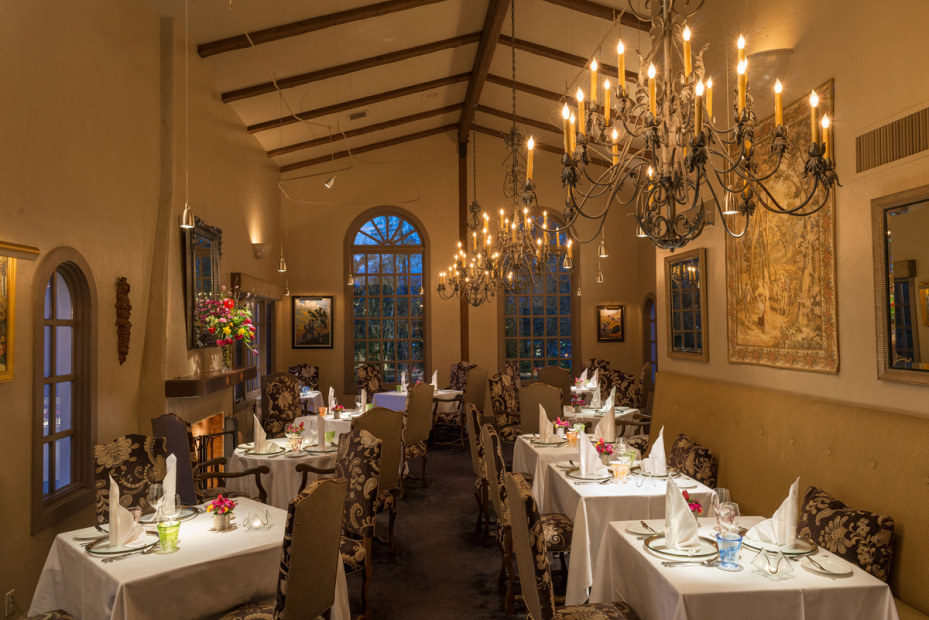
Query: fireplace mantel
[{"x": 192, "y": 386}]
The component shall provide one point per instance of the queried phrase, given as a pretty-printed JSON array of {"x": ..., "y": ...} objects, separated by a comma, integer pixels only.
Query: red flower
[
  {"x": 228, "y": 303},
  {"x": 212, "y": 330}
]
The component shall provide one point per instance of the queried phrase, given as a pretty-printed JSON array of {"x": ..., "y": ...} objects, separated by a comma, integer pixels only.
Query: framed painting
[
  {"x": 7, "y": 323},
  {"x": 780, "y": 275},
  {"x": 685, "y": 286},
  {"x": 924, "y": 301},
  {"x": 611, "y": 323},
  {"x": 312, "y": 321}
]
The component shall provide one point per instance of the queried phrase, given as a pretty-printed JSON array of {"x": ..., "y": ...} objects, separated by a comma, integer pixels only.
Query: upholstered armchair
[
  {"x": 475, "y": 391},
  {"x": 628, "y": 390},
  {"x": 387, "y": 426},
  {"x": 595, "y": 363},
  {"x": 179, "y": 439},
  {"x": 481, "y": 488},
  {"x": 57, "y": 614},
  {"x": 458, "y": 376},
  {"x": 306, "y": 374},
  {"x": 368, "y": 377},
  {"x": 417, "y": 425},
  {"x": 306, "y": 581},
  {"x": 504, "y": 402},
  {"x": 282, "y": 392},
  {"x": 531, "y": 553},
  {"x": 511, "y": 368},
  {"x": 134, "y": 462}
]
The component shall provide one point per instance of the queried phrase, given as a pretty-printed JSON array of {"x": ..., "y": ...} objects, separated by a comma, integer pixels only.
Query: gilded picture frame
[
  {"x": 7, "y": 316},
  {"x": 611, "y": 323},
  {"x": 685, "y": 291},
  {"x": 780, "y": 276},
  {"x": 923, "y": 288},
  {"x": 312, "y": 321}
]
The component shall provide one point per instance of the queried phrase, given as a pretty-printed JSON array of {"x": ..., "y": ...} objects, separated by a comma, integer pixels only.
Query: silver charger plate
[
  {"x": 101, "y": 546},
  {"x": 539, "y": 442},
  {"x": 834, "y": 567},
  {"x": 316, "y": 450},
  {"x": 637, "y": 529},
  {"x": 637, "y": 469},
  {"x": 187, "y": 513},
  {"x": 252, "y": 452},
  {"x": 656, "y": 545},
  {"x": 577, "y": 475},
  {"x": 804, "y": 546},
  {"x": 566, "y": 465}
]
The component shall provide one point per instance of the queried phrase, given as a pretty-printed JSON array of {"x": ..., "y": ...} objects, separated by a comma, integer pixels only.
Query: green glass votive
[
  {"x": 167, "y": 535},
  {"x": 330, "y": 437}
]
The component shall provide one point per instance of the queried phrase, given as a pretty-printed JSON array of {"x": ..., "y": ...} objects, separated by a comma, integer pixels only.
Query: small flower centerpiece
[
  {"x": 221, "y": 508},
  {"x": 577, "y": 402},
  {"x": 579, "y": 382},
  {"x": 294, "y": 432},
  {"x": 224, "y": 322},
  {"x": 605, "y": 450},
  {"x": 693, "y": 504},
  {"x": 561, "y": 426},
  {"x": 337, "y": 411}
]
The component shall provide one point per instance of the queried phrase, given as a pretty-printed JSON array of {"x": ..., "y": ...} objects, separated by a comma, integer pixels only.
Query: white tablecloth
[
  {"x": 342, "y": 425},
  {"x": 283, "y": 482},
  {"x": 592, "y": 507},
  {"x": 210, "y": 573},
  {"x": 590, "y": 416},
  {"x": 396, "y": 401},
  {"x": 312, "y": 401},
  {"x": 624, "y": 570},
  {"x": 532, "y": 459}
]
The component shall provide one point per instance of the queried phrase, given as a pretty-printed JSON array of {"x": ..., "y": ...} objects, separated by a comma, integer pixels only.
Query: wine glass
[
  {"x": 358, "y": 403},
  {"x": 728, "y": 517},
  {"x": 169, "y": 511},
  {"x": 719, "y": 496},
  {"x": 155, "y": 496}
]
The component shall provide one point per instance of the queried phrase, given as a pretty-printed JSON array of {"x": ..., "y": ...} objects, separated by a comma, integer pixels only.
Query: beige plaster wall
[
  {"x": 82, "y": 167},
  {"x": 822, "y": 40}
]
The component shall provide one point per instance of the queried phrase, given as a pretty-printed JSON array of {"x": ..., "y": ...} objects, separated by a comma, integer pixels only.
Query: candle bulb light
[
  {"x": 606, "y": 102},
  {"x": 615, "y": 147},
  {"x": 593, "y": 81},
  {"x": 698, "y": 109},
  {"x": 740, "y": 45},
  {"x": 581, "y": 115},
  {"x": 529, "y": 150},
  {"x": 827, "y": 137},
  {"x": 565, "y": 114},
  {"x": 652, "y": 95},
  {"x": 743, "y": 82},
  {"x": 621, "y": 74},
  {"x": 709, "y": 99},
  {"x": 814, "y": 115},
  {"x": 573, "y": 134},
  {"x": 688, "y": 66},
  {"x": 778, "y": 103}
]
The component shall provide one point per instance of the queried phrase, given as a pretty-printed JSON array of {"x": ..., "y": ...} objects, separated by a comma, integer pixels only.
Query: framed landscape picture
[
  {"x": 7, "y": 295},
  {"x": 312, "y": 321},
  {"x": 611, "y": 323}
]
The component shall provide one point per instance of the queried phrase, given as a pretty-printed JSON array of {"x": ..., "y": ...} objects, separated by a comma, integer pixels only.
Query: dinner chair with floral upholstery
[
  {"x": 56, "y": 614},
  {"x": 306, "y": 374},
  {"x": 368, "y": 377},
  {"x": 475, "y": 391},
  {"x": 628, "y": 392},
  {"x": 557, "y": 528},
  {"x": 595, "y": 363},
  {"x": 134, "y": 462},
  {"x": 532, "y": 560},
  {"x": 306, "y": 579},
  {"x": 458, "y": 375},
  {"x": 504, "y": 402},
  {"x": 642, "y": 387},
  {"x": 560, "y": 378},
  {"x": 387, "y": 426},
  {"x": 282, "y": 393},
  {"x": 481, "y": 489},
  {"x": 417, "y": 422},
  {"x": 207, "y": 471},
  {"x": 511, "y": 368},
  {"x": 359, "y": 462}
]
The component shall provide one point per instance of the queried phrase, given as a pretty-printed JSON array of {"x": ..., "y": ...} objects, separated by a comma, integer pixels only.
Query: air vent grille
[
  {"x": 354, "y": 116},
  {"x": 901, "y": 138}
]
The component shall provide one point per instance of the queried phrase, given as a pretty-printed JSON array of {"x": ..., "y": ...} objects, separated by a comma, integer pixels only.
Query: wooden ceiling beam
[
  {"x": 304, "y": 26},
  {"x": 565, "y": 57},
  {"x": 357, "y": 103},
  {"x": 529, "y": 122},
  {"x": 527, "y": 88},
  {"x": 350, "y": 67},
  {"x": 369, "y": 147},
  {"x": 603, "y": 12},
  {"x": 360, "y": 131},
  {"x": 493, "y": 24}
]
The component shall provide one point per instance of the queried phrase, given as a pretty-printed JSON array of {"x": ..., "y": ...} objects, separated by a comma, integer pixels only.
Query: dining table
[
  {"x": 283, "y": 482},
  {"x": 625, "y": 569},
  {"x": 592, "y": 415},
  {"x": 445, "y": 400},
  {"x": 342, "y": 424},
  {"x": 312, "y": 400},
  {"x": 210, "y": 573},
  {"x": 592, "y": 505}
]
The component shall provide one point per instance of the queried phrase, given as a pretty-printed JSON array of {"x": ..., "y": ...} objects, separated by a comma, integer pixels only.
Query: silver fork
[
  {"x": 709, "y": 562},
  {"x": 151, "y": 549}
]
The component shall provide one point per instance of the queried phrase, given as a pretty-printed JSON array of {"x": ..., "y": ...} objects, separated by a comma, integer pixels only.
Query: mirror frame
[
  {"x": 215, "y": 235},
  {"x": 879, "y": 208},
  {"x": 703, "y": 355}
]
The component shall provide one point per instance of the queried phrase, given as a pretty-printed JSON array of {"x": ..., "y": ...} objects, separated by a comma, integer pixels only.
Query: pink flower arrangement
[
  {"x": 577, "y": 401},
  {"x": 339, "y": 408},
  {"x": 559, "y": 423},
  {"x": 693, "y": 504},
  {"x": 603, "y": 448},
  {"x": 221, "y": 505},
  {"x": 294, "y": 429},
  {"x": 226, "y": 320}
]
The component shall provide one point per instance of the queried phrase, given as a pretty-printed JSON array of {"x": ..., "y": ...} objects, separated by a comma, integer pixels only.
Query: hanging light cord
[{"x": 186, "y": 105}]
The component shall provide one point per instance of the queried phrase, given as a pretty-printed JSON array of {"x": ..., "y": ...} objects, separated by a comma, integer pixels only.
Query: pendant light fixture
[{"x": 187, "y": 217}]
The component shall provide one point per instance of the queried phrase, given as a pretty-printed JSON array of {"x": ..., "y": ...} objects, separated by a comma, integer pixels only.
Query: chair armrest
[
  {"x": 304, "y": 469},
  {"x": 254, "y": 471},
  {"x": 221, "y": 460}
]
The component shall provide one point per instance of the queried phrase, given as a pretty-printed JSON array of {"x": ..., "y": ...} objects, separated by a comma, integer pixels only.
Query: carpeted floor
[{"x": 441, "y": 569}]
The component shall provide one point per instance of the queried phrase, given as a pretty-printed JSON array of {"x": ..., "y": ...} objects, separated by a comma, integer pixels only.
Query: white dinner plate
[
  {"x": 577, "y": 475},
  {"x": 558, "y": 441},
  {"x": 295, "y": 454},
  {"x": 637, "y": 469},
  {"x": 566, "y": 464},
  {"x": 90, "y": 533},
  {"x": 803, "y": 546},
  {"x": 277, "y": 450},
  {"x": 637, "y": 529},
  {"x": 102, "y": 546},
  {"x": 187, "y": 513},
  {"x": 834, "y": 567},
  {"x": 656, "y": 546},
  {"x": 685, "y": 483}
]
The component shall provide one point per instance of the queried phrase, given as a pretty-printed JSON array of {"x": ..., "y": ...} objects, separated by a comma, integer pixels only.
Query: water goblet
[
  {"x": 155, "y": 496},
  {"x": 358, "y": 403},
  {"x": 729, "y": 544},
  {"x": 728, "y": 517}
]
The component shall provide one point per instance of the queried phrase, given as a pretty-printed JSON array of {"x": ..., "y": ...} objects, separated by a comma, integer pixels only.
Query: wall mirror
[
  {"x": 899, "y": 227},
  {"x": 686, "y": 293},
  {"x": 202, "y": 254}
]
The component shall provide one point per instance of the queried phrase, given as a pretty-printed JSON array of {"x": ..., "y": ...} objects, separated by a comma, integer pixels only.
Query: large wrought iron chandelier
[{"x": 669, "y": 161}]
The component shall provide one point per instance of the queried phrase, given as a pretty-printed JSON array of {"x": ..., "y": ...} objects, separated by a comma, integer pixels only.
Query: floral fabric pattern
[
  {"x": 628, "y": 392},
  {"x": 595, "y": 363},
  {"x": 369, "y": 378},
  {"x": 504, "y": 400},
  {"x": 692, "y": 459},
  {"x": 134, "y": 462},
  {"x": 57, "y": 614},
  {"x": 511, "y": 368},
  {"x": 458, "y": 376},
  {"x": 359, "y": 462},
  {"x": 283, "y": 394},
  {"x": 353, "y": 554},
  {"x": 861, "y": 537},
  {"x": 306, "y": 374},
  {"x": 618, "y": 610},
  {"x": 252, "y": 611},
  {"x": 543, "y": 576}
]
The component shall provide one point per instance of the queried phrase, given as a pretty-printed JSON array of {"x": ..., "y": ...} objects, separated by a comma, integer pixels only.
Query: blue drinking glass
[{"x": 729, "y": 544}]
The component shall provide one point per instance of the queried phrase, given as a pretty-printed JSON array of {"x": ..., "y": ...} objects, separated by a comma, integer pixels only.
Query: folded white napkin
[
  {"x": 123, "y": 528},
  {"x": 656, "y": 463},
  {"x": 595, "y": 399},
  {"x": 364, "y": 399},
  {"x": 595, "y": 381},
  {"x": 321, "y": 433},
  {"x": 260, "y": 441},
  {"x": 546, "y": 434},
  {"x": 680, "y": 524},
  {"x": 590, "y": 462},
  {"x": 583, "y": 378},
  {"x": 403, "y": 379},
  {"x": 170, "y": 483},
  {"x": 610, "y": 402},
  {"x": 781, "y": 528},
  {"x": 435, "y": 379},
  {"x": 331, "y": 398},
  {"x": 606, "y": 428}
]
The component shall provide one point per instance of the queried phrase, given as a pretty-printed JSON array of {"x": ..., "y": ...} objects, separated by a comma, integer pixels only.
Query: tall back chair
[
  {"x": 306, "y": 374},
  {"x": 643, "y": 389},
  {"x": 387, "y": 426},
  {"x": 282, "y": 393},
  {"x": 475, "y": 389},
  {"x": 628, "y": 392},
  {"x": 511, "y": 368},
  {"x": 595, "y": 363},
  {"x": 458, "y": 376},
  {"x": 560, "y": 378},
  {"x": 418, "y": 423},
  {"x": 309, "y": 555},
  {"x": 504, "y": 402},
  {"x": 180, "y": 442},
  {"x": 134, "y": 462},
  {"x": 530, "y": 397},
  {"x": 368, "y": 377},
  {"x": 481, "y": 492}
]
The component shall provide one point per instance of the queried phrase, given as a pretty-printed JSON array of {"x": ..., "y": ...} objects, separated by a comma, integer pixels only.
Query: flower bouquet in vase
[
  {"x": 693, "y": 504},
  {"x": 561, "y": 426},
  {"x": 221, "y": 508},
  {"x": 337, "y": 411},
  {"x": 294, "y": 432},
  {"x": 577, "y": 402},
  {"x": 605, "y": 450},
  {"x": 224, "y": 322}
]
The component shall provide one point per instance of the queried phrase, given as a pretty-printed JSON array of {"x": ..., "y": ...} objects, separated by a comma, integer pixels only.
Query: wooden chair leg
[
  {"x": 390, "y": 533},
  {"x": 364, "y": 589},
  {"x": 425, "y": 482}
]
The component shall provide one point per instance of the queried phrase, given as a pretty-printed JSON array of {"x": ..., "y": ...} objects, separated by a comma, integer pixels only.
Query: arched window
[
  {"x": 64, "y": 384},
  {"x": 650, "y": 341},
  {"x": 387, "y": 305},
  {"x": 538, "y": 324}
]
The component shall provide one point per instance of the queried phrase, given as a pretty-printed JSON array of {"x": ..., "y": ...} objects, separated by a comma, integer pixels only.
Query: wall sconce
[{"x": 260, "y": 250}]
